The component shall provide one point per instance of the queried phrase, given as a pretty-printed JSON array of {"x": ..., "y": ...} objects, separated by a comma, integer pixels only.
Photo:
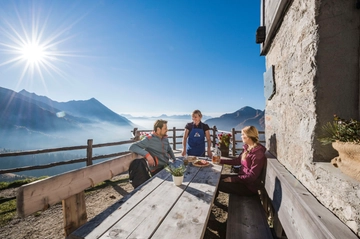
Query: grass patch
[
  {"x": 18, "y": 183},
  {"x": 7, "y": 211},
  {"x": 8, "y": 205}
]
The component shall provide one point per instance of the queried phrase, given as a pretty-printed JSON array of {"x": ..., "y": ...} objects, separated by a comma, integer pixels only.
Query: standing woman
[
  {"x": 194, "y": 137},
  {"x": 252, "y": 160}
]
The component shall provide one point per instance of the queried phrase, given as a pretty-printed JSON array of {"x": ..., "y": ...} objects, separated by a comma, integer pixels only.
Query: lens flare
[
  {"x": 29, "y": 40},
  {"x": 33, "y": 53}
]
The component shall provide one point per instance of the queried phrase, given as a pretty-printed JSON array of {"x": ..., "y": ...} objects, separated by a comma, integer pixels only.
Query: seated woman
[{"x": 252, "y": 161}]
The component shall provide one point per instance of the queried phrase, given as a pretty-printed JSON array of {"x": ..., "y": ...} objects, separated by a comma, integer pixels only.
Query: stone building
[{"x": 312, "y": 50}]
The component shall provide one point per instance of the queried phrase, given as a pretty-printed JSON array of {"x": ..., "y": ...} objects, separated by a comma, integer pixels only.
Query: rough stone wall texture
[
  {"x": 310, "y": 59},
  {"x": 291, "y": 113}
]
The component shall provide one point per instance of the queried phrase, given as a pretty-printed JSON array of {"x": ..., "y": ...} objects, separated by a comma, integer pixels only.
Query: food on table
[{"x": 201, "y": 162}]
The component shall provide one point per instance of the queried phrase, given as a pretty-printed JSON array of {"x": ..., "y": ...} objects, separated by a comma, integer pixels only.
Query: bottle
[{"x": 186, "y": 160}]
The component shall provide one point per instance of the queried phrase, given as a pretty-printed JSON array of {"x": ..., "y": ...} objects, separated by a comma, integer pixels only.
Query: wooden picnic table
[{"x": 159, "y": 209}]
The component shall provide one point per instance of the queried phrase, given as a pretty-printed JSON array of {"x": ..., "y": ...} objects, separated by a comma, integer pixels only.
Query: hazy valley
[{"x": 30, "y": 122}]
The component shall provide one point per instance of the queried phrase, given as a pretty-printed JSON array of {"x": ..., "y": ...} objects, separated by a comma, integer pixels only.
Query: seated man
[{"x": 156, "y": 151}]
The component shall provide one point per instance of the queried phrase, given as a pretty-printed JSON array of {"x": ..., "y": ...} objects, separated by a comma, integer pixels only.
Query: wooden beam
[
  {"x": 74, "y": 211},
  {"x": 42, "y": 194},
  {"x": 273, "y": 14},
  {"x": 300, "y": 213}
]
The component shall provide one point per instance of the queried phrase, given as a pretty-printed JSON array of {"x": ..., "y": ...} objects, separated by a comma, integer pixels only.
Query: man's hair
[{"x": 159, "y": 124}]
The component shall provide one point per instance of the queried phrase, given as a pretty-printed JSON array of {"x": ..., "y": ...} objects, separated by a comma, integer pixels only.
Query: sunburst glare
[
  {"x": 30, "y": 42},
  {"x": 33, "y": 53}
]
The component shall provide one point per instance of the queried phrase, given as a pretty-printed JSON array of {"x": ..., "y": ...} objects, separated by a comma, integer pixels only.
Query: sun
[
  {"x": 33, "y": 53},
  {"x": 35, "y": 44}
]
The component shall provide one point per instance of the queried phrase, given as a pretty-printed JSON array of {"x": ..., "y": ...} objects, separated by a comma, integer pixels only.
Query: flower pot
[
  {"x": 224, "y": 150},
  {"x": 348, "y": 160},
  {"x": 178, "y": 180}
]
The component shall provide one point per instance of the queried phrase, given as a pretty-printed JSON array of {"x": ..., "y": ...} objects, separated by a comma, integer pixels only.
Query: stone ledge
[{"x": 338, "y": 192}]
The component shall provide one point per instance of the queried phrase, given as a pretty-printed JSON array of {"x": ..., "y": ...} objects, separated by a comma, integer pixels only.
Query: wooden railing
[
  {"x": 172, "y": 134},
  {"x": 88, "y": 159},
  {"x": 235, "y": 142},
  {"x": 69, "y": 187},
  {"x": 214, "y": 131}
]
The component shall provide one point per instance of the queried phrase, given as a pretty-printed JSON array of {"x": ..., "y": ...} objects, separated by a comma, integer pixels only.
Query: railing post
[
  {"x": 89, "y": 152},
  {"x": 214, "y": 136},
  {"x": 136, "y": 134},
  {"x": 234, "y": 142},
  {"x": 174, "y": 138}
]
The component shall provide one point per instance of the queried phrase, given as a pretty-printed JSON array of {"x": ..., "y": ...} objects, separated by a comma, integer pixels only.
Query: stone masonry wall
[{"x": 291, "y": 116}]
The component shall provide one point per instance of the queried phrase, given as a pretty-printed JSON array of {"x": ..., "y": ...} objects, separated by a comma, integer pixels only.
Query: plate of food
[{"x": 200, "y": 163}]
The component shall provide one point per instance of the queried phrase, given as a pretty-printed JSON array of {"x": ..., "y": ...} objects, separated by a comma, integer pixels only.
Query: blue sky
[{"x": 135, "y": 57}]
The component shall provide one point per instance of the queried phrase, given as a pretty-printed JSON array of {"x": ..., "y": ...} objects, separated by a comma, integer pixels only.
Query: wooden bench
[
  {"x": 294, "y": 211},
  {"x": 69, "y": 188},
  {"x": 297, "y": 213},
  {"x": 246, "y": 215},
  {"x": 246, "y": 218}
]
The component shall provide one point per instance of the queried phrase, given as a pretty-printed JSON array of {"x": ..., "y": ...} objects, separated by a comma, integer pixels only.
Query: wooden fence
[
  {"x": 173, "y": 135},
  {"x": 69, "y": 187}
]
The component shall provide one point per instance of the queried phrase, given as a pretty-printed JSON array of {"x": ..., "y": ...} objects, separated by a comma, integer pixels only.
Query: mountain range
[
  {"x": 239, "y": 119},
  {"x": 164, "y": 116},
  {"x": 28, "y": 120}
]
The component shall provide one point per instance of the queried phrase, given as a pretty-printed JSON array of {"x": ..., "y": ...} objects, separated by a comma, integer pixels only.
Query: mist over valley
[{"x": 32, "y": 122}]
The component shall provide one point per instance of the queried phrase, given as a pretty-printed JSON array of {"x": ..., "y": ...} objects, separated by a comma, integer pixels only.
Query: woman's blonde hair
[
  {"x": 197, "y": 112},
  {"x": 252, "y": 133}
]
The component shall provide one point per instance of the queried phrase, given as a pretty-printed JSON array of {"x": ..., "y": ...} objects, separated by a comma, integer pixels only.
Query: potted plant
[
  {"x": 344, "y": 135},
  {"x": 224, "y": 143},
  {"x": 177, "y": 172}
]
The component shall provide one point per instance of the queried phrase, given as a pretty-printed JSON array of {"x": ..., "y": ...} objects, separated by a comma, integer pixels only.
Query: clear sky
[{"x": 136, "y": 57}]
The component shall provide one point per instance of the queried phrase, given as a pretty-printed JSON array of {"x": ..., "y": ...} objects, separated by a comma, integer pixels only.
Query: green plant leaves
[
  {"x": 176, "y": 170},
  {"x": 341, "y": 130}
]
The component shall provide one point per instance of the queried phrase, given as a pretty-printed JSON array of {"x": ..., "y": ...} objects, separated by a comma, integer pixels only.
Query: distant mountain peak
[
  {"x": 240, "y": 118},
  {"x": 34, "y": 96}
]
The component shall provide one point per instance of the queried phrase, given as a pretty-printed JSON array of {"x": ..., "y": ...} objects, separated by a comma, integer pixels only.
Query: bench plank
[
  {"x": 246, "y": 218},
  {"x": 300, "y": 213}
]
